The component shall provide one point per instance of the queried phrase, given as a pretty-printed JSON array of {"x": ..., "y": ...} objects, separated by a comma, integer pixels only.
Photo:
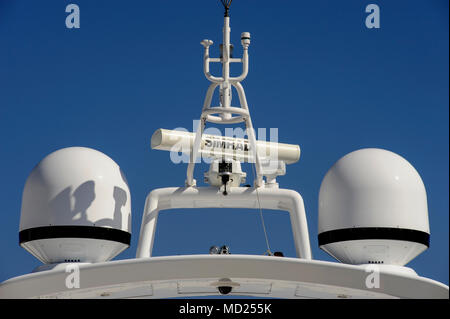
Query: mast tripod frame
[{"x": 225, "y": 111}]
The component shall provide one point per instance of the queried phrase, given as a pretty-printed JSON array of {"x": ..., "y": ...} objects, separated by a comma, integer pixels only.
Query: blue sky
[{"x": 316, "y": 73}]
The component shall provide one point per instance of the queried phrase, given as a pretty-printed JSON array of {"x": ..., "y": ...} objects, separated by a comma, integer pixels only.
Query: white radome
[
  {"x": 373, "y": 209},
  {"x": 76, "y": 206}
]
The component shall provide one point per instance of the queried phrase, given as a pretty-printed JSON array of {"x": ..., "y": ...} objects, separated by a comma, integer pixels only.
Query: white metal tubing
[
  {"x": 250, "y": 133},
  {"x": 254, "y": 149},
  {"x": 198, "y": 135},
  {"x": 148, "y": 225},
  {"x": 209, "y": 95},
  {"x": 229, "y": 109},
  {"x": 241, "y": 95},
  {"x": 244, "y": 67},
  {"x": 223, "y": 120},
  {"x": 206, "y": 61},
  {"x": 225, "y": 86},
  {"x": 226, "y": 49},
  {"x": 194, "y": 153},
  {"x": 208, "y": 74},
  {"x": 211, "y": 197}
]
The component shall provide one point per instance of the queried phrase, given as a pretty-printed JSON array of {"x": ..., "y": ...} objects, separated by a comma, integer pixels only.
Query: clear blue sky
[{"x": 316, "y": 72}]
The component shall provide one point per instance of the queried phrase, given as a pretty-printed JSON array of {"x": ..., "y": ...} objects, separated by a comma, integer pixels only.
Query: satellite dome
[
  {"x": 76, "y": 207},
  {"x": 373, "y": 209}
]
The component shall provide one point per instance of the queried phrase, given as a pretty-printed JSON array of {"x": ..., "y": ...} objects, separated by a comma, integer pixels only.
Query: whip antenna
[{"x": 226, "y": 5}]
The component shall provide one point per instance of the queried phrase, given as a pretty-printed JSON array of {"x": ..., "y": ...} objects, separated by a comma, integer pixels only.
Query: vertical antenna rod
[{"x": 226, "y": 5}]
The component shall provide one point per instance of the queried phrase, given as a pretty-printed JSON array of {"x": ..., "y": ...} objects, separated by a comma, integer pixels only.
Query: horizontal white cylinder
[{"x": 214, "y": 146}]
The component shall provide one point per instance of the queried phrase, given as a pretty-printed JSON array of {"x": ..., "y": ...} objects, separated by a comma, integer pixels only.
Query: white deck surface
[{"x": 195, "y": 275}]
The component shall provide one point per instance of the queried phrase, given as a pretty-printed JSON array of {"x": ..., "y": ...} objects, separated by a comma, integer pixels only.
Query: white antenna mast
[{"x": 225, "y": 113}]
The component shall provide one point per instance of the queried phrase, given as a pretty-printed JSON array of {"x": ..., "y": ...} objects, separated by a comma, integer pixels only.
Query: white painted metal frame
[
  {"x": 225, "y": 110},
  {"x": 259, "y": 197},
  {"x": 211, "y": 197}
]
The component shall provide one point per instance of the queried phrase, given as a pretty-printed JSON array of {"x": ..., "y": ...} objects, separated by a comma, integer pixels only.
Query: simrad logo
[{"x": 232, "y": 145}]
